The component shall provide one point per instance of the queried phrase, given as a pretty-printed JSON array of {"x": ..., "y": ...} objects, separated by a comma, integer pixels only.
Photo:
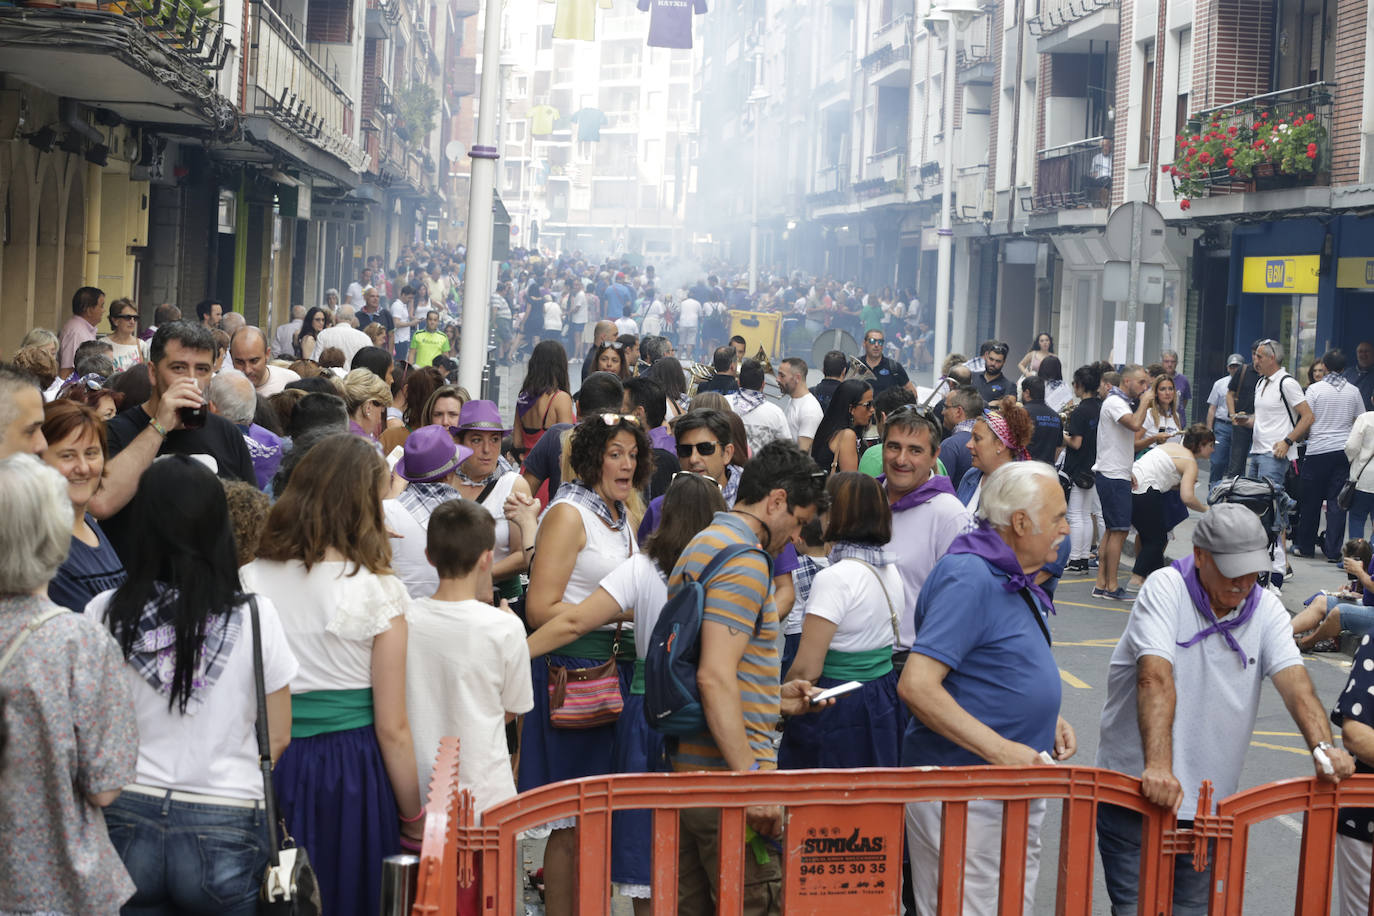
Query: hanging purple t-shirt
[{"x": 670, "y": 21}]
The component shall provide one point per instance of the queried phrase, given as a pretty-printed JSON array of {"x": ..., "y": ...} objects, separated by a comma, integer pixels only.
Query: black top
[
  {"x": 725, "y": 384},
  {"x": 825, "y": 390},
  {"x": 218, "y": 438},
  {"x": 1243, "y": 383},
  {"x": 1083, "y": 422},
  {"x": 543, "y": 461},
  {"x": 992, "y": 391},
  {"x": 665, "y": 466},
  {"x": 1353, "y": 703},
  {"x": 383, "y": 317},
  {"x": 887, "y": 374},
  {"x": 1049, "y": 431},
  {"x": 86, "y": 572}
]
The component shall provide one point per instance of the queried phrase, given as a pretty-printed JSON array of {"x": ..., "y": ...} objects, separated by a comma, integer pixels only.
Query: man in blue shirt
[
  {"x": 962, "y": 407},
  {"x": 981, "y": 681}
]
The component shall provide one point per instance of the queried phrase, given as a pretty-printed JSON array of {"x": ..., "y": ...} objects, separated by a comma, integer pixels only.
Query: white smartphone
[{"x": 837, "y": 691}]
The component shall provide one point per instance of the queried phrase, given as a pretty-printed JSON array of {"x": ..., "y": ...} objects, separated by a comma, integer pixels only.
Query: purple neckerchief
[
  {"x": 985, "y": 542},
  {"x": 526, "y": 400},
  {"x": 1118, "y": 392},
  {"x": 662, "y": 437},
  {"x": 937, "y": 484},
  {"x": 1191, "y": 581}
]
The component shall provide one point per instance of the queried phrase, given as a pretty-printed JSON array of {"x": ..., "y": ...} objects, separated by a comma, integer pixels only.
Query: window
[
  {"x": 545, "y": 37},
  {"x": 515, "y": 132},
  {"x": 1185, "y": 79},
  {"x": 1147, "y": 103}
]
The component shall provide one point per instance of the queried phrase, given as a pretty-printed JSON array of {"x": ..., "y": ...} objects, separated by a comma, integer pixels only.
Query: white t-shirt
[
  {"x": 1217, "y": 397},
  {"x": 354, "y": 295},
  {"x": 1115, "y": 442},
  {"x": 1272, "y": 420},
  {"x": 276, "y": 380},
  {"x": 689, "y": 313},
  {"x": 126, "y": 355},
  {"x": 579, "y": 308},
  {"x": 1155, "y": 470},
  {"x": 653, "y": 318},
  {"x": 213, "y": 749},
  {"x": 346, "y": 337},
  {"x": 400, "y": 312},
  {"x": 921, "y": 535},
  {"x": 333, "y": 617},
  {"x": 1170, "y": 424},
  {"x": 638, "y": 585},
  {"x": 1210, "y": 738},
  {"x": 467, "y": 665},
  {"x": 803, "y": 416},
  {"x": 626, "y": 326},
  {"x": 1334, "y": 411},
  {"x": 848, "y": 595}
]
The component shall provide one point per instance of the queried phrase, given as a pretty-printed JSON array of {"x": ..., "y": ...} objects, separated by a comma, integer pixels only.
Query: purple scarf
[
  {"x": 1186, "y": 568},
  {"x": 985, "y": 542},
  {"x": 937, "y": 484},
  {"x": 526, "y": 400}
]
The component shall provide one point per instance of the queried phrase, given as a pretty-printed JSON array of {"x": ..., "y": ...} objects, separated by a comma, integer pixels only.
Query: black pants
[
  {"x": 1241, "y": 437},
  {"x": 1147, "y": 516},
  {"x": 1322, "y": 477}
]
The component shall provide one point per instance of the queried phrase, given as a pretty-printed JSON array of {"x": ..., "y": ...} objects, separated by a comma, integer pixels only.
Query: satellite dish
[{"x": 454, "y": 151}]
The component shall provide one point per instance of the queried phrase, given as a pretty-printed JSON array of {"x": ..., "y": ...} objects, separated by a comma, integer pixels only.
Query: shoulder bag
[
  {"x": 586, "y": 697},
  {"x": 25, "y": 632},
  {"x": 289, "y": 887},
  {"x": 1347, "y": 494},
  {"x": 892, "y": 612}
]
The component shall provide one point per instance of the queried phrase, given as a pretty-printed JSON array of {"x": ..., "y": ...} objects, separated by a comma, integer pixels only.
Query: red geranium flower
[{"x": 1184, "y": 204}]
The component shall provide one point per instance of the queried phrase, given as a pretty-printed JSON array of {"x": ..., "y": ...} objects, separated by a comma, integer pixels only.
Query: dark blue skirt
[
  {"x": 863, "y": 729},
  {"x": 337, "y": 802},
  {"x": 638, "y": 749},
  {"x": 549, "y": 754},
  {"x": 791, "y": 642}
]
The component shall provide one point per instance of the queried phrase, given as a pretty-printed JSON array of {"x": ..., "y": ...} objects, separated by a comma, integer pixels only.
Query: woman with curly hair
[
  {"x": 586, "y": 533},
  {"x": 1000, "y": 436}
]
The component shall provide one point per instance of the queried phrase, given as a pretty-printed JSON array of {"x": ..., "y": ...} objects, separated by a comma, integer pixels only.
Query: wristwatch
[{"x": 1288, "y": 441}]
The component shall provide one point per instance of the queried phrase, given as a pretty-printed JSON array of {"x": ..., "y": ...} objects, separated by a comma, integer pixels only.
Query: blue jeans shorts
[{"x": 1115, "y": 496}]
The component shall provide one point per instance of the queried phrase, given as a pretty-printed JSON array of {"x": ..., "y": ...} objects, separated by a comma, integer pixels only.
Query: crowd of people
[{"x": 400, "y": 561}]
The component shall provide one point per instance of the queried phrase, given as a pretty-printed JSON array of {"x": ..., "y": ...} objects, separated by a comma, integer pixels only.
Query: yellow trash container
[{"x": 759, "y": 329}]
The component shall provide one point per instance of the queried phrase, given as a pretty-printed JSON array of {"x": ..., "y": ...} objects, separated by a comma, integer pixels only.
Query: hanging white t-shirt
[
  {"x": 333, "y": 619},
  {"x": 467, "y": 666},
  {"x": 213, "y": 748},
  {"x": 639, "y": 585},
  {"x": 849, "y": 595}
]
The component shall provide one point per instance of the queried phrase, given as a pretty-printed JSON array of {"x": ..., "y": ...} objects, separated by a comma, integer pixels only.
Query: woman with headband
[{"x": 1000, "y": 436}]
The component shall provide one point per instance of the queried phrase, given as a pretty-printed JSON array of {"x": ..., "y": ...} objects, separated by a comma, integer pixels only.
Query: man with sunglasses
[
  {"x": 703, "y": 447},
  {"x": 887, "y": 372},
  {"x": 992, "y": 385}
]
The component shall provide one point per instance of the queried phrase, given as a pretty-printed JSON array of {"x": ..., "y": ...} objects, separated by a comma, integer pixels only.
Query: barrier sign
[
  {"x": 843, "y": 859},
  {"x": 1290, "y": 275}
]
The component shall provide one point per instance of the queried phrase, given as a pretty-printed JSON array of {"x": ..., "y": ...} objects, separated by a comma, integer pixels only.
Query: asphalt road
[{"x": 1085, "y": 632}]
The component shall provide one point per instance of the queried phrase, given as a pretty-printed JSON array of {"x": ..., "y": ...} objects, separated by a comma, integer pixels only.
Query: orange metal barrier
[{"x": 454, "y": 842}]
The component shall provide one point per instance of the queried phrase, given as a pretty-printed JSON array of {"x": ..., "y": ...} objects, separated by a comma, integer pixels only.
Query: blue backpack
[{"x": 672, "y": 703}]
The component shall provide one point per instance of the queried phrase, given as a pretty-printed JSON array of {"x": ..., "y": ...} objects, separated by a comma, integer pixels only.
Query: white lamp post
[
  {"x": 756, "y": 101},
  {"x": 954, "y": 15}
]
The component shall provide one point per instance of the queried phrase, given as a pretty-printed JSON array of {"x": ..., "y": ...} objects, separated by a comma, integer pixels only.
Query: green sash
[
  {"x": 865, "y": 666},
  {"x": 318, "y": 712}
]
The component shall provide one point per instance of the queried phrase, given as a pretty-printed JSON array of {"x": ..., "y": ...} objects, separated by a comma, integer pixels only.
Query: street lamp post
[
  {"x": 756, "y": 101},
  {"x": 954, "y": 14}
]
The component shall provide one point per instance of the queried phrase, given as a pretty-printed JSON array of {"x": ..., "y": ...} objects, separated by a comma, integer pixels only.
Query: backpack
[{"x": 672, "y": 703}]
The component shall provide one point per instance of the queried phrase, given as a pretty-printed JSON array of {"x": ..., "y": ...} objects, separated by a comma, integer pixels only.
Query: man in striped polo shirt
[{"x": 780, "y": 490}]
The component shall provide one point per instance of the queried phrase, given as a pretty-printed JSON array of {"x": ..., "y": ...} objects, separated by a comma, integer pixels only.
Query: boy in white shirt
[{"x": 467, "y": 664}]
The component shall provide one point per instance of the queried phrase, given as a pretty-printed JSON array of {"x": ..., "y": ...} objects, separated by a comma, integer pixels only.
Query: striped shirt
[
  {"x": 1335, "y": 404},
  {"x": 736, "y": 597}
]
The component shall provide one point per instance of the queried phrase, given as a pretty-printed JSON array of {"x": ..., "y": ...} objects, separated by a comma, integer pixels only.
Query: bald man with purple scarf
[{"x": 1202, "y": 629}]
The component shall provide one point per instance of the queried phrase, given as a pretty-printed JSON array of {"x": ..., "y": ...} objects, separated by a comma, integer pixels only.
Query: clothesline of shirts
[
  {"x": 589, "y": 121},
  {"x": 670, "y": 21}
]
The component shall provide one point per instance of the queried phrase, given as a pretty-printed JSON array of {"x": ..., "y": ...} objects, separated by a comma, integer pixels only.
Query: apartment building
[
  {"x": 1064, "y": 110},
  {"x": 171, "y": 150}
]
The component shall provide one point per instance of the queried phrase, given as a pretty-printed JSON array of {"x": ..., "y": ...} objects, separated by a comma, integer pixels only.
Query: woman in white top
[
  {"x": 553, "y": 319},
  {"x": 1359, "y": 448},
  {"x": 638, "y": 587},
  {"x": 1164, "y": 470},
  {"x": 347, "y": 786},
  {"x": 1162, "y": 423},
  {"x": 184, "y": 626},
  {"x": 128, "y": 349},
  {"x": 848, "y": 635},
  {"x": 506, "y": 496},
  {"x": 584, "y": 536}
]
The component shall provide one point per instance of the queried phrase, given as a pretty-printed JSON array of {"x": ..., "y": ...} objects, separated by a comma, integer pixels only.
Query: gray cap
[
  {"x": 1235, "y": 359},
  {"x": 1235, "y": 538}
]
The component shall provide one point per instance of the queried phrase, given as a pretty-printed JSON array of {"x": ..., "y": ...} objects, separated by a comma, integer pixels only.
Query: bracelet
[
  {"x": 158, "y": 428},
  {"x": 412, "y": 820}
]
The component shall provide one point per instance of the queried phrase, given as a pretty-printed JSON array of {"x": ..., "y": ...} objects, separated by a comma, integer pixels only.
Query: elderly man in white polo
[{"x": 1201, "y": 629}]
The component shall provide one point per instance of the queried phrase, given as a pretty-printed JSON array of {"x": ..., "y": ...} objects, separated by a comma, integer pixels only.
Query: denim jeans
[
  {"x": 189, "y": 858},
  {"x": 1118, "y": 842},
  {"x": 1322, "y": 477},
  {"x": 1273, "y": 470},
  {"x": 1221, "y": 456},
  {"x": 1361, "y": 508}
]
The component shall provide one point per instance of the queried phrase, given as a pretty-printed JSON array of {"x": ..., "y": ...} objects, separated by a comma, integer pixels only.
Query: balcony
[
  {"x": 1075, "y": 26},
  {"x": 620, "y": 73},
  {"x": 152, "y": 61},
  {"x": 831, "y": 185},
  {"x": 1277, "y": 142},
  {"x": 835, "y": 87},
  {"x": 884, "y": 173},
  {"x": 889, "y": 64},
  {"x": 461, "y": 78},
  {"x": 289, "y": 89},
  {"x": 1064, "y": 178},
  {"x": 382, "y": 16}
]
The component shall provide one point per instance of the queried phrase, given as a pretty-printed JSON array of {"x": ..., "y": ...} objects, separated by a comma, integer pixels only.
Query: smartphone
[{"x": 838, "y": 691}]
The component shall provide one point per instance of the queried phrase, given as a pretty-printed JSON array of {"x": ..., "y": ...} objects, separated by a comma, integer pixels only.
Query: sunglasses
[
  {"x": 684, "y": 449},
  {"x": 129, "y": 317},
  {"x": 1000, "y": 349},
  {"x": 692, "y": 474},
  {"x": 610, "y": 345},
  {"x": 874, "y": 340},
  {"x": 868, "y": 405},
  {"x": 615, "y": 419}
]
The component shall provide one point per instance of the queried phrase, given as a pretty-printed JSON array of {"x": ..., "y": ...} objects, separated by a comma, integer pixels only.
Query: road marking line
[
  {"x": 1104, "y": 643},
  {"x": 1304, "y": 752},
  {"x": 1095, "y": 607},
  {"x": 1075, "y": 581},
  {"x": 1292, "y": 824},
  {"x": 1280, "y": 734},
  {"x": 1072, "y": 681}
]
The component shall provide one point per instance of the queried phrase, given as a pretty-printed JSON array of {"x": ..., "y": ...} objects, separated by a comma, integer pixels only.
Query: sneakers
[
  {"x": 1119, "y": 595},
  {"x": 1076, "y": 566}
]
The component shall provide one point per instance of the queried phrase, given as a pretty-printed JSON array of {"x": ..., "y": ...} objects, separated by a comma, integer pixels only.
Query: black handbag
[
  {"x": 289, "y": 886},
  {"x": 1347, "y": 494}
]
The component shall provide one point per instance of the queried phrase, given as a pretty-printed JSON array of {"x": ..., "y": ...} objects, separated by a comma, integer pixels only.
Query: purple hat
[
  {"x": 481, "y": 416},
  {"x": 431, "y": 455}
]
